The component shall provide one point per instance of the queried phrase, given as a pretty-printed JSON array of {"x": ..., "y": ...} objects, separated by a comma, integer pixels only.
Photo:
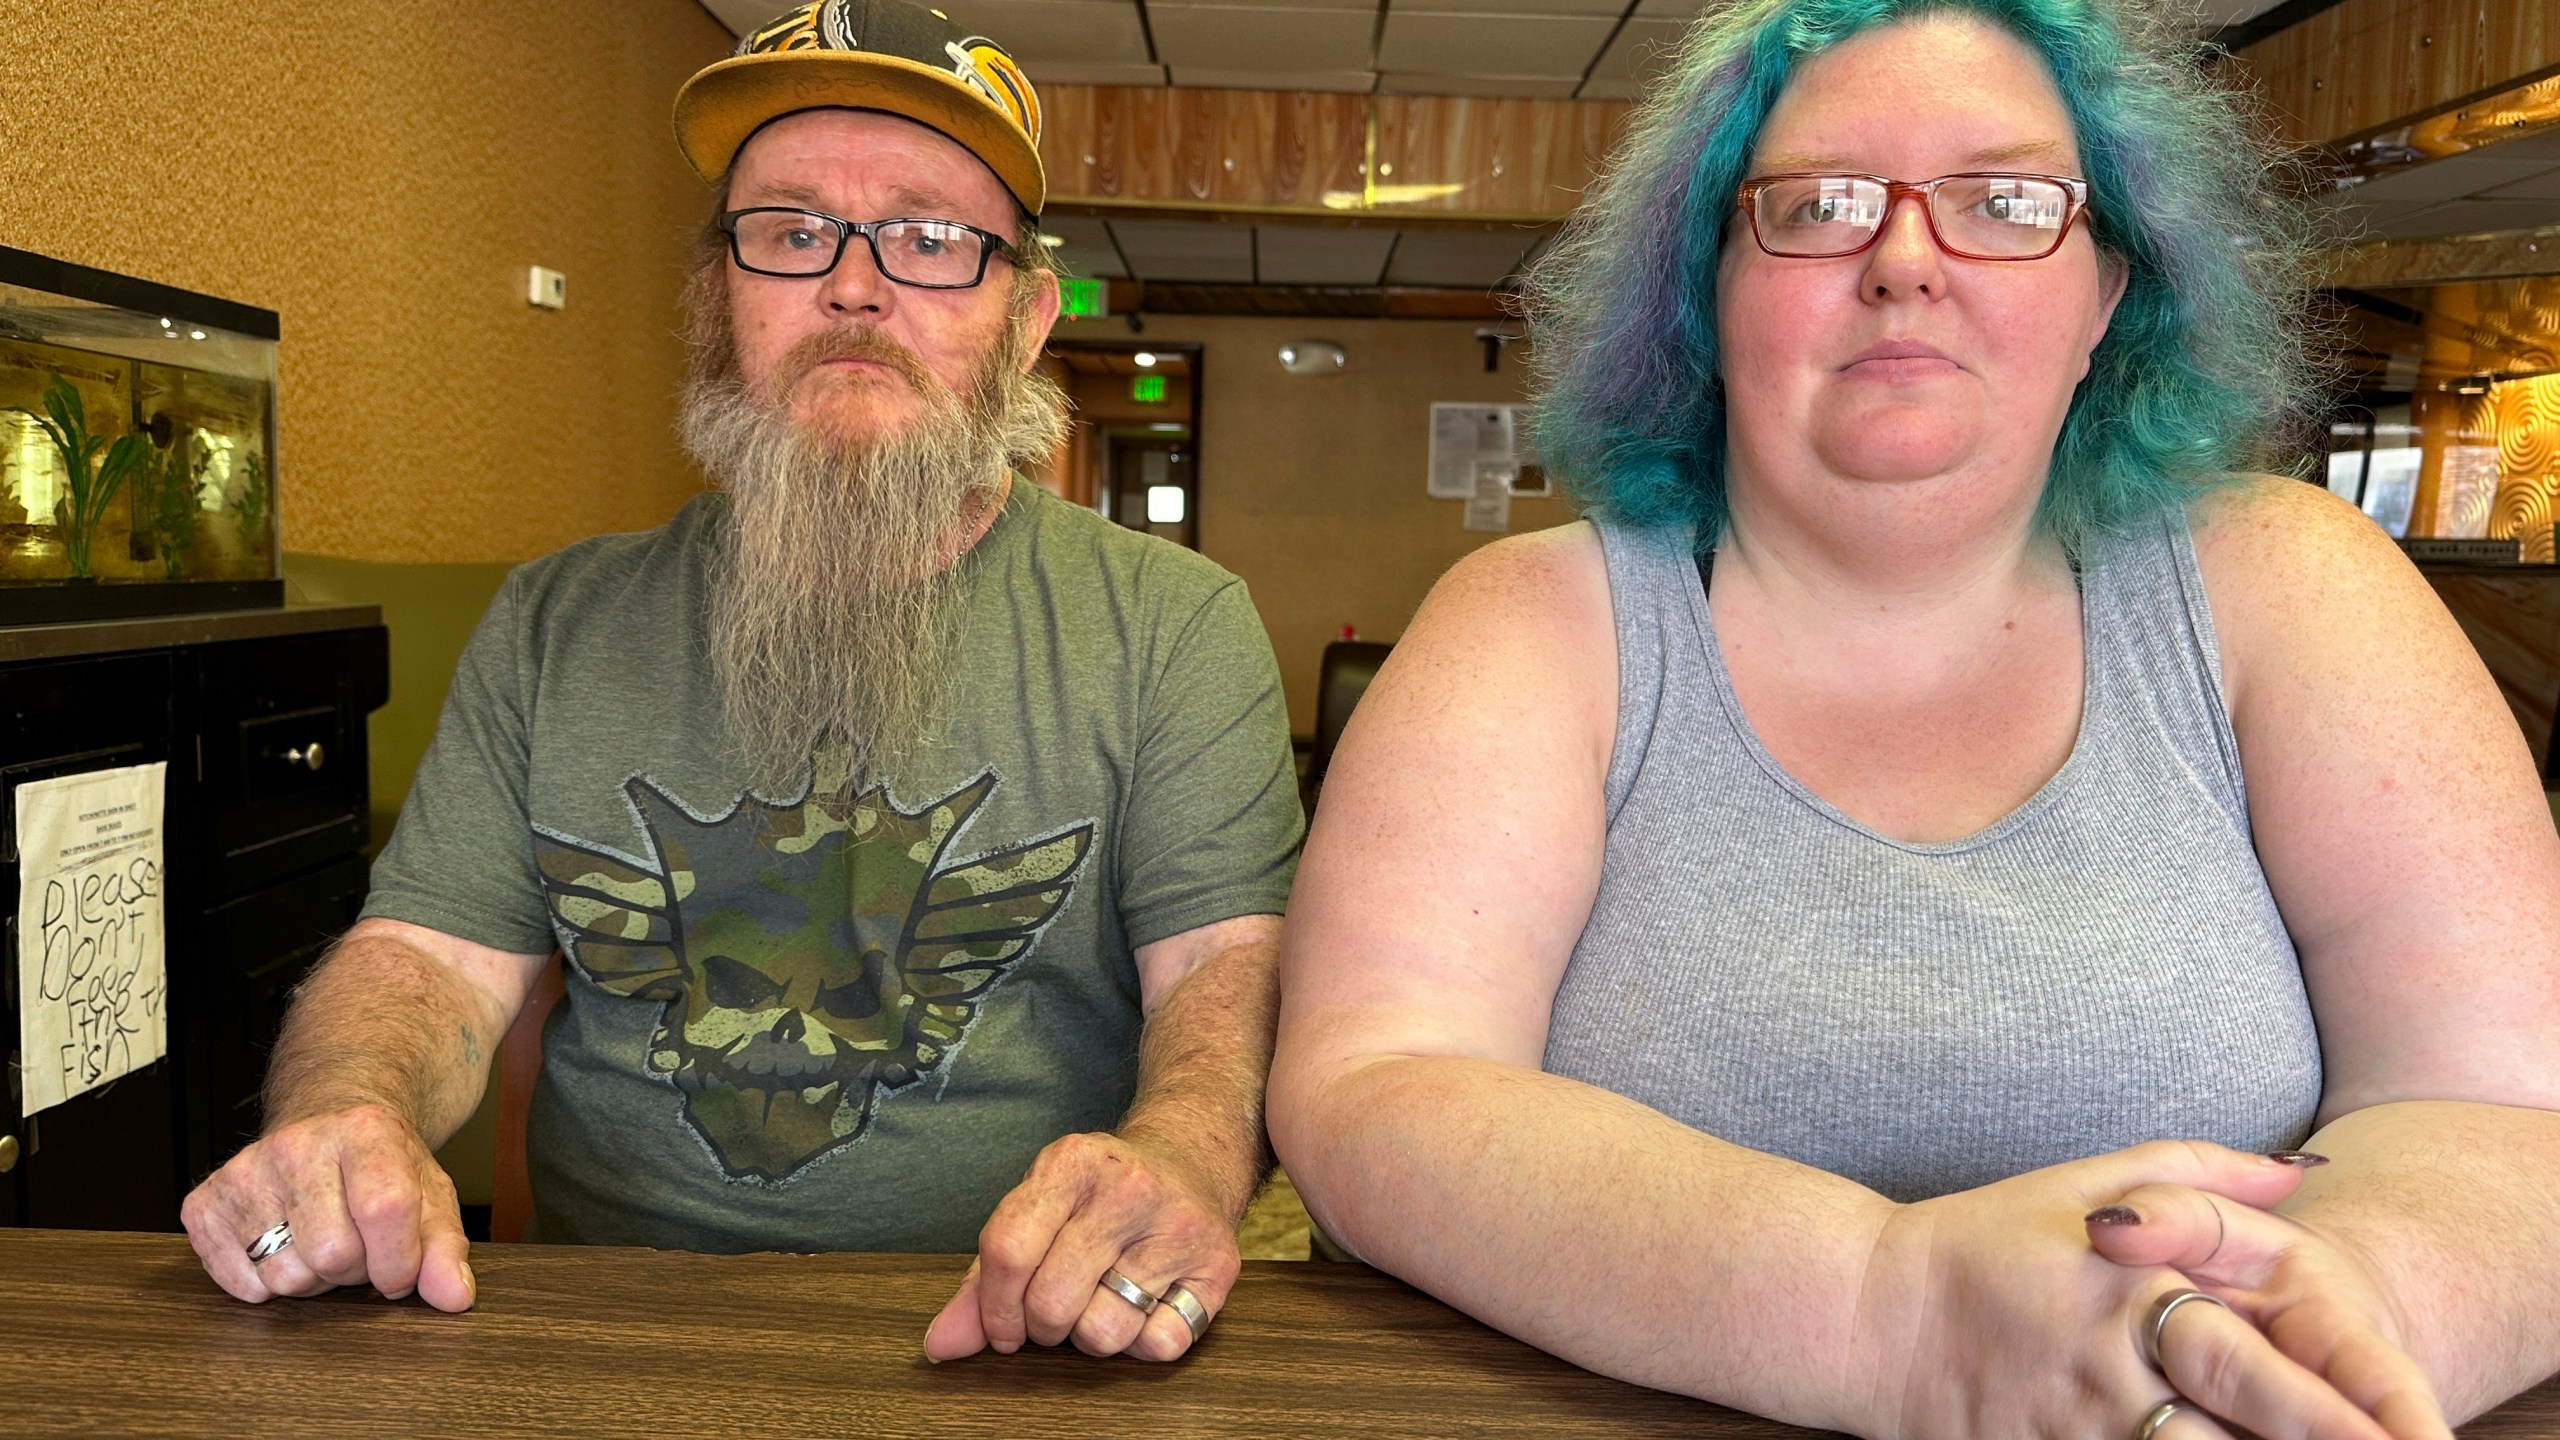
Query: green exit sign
[
  {"x": 1147, "y": 389},
  {"x": 1081, "y": 299}
]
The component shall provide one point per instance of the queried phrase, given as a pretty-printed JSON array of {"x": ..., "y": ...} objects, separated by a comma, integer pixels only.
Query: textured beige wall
[
  {"x": 382, "y": 174},
  {"x": 1312, "y": 489}
]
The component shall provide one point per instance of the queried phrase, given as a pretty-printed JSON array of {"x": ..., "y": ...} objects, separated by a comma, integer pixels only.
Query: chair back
[
  {"x": 519, "y": 1064},
  {"x": 1349, "y": 666}
]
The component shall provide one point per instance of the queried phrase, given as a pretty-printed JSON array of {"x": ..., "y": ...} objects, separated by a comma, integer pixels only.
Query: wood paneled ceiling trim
[
  {"x": 1115, "y": 149},
  {"x": 2364, "y": 66}
]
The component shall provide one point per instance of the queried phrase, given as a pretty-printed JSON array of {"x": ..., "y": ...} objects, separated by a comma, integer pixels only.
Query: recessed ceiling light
[{"x": 1144, "y": 359}]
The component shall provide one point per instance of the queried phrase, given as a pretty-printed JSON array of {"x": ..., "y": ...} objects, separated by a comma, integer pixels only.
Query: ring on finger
[
  {"x": 1128, "y": 1289},
  {"x": 1187, "y": 1305},
  {"x": 2159, "y": 1416},
  {"x": 275, "y": 1238},
  {"x": 2158, "y": 1321}
]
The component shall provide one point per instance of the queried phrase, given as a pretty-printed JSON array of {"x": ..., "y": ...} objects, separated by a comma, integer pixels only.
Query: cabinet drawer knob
[
  {"x": 8, "y": 1153},
  {"x": 308, "y": 756}
]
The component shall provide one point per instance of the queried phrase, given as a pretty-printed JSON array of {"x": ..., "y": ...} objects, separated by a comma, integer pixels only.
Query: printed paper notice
[
  {"x": 1490, "y": 507},
  {"x": 92, "y": 948},
  {"x": 1462, "y": 435}
]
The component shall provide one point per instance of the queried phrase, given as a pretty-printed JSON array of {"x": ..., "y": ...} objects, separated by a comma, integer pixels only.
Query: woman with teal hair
[{"x": 1948, "y": 907}]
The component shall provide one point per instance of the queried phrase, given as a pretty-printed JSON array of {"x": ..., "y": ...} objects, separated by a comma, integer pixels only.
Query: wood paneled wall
[
  {"x": 1284, "y": 152},
  {"x": 2367, "y": 65}
]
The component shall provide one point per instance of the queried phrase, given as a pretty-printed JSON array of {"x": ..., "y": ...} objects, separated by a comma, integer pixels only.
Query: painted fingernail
[
  {"x": 2306, "y": 1159},
  {"x": 2114, "y": 1215}
]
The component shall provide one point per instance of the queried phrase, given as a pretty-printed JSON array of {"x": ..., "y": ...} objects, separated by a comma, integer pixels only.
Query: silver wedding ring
[
  {"x": 1188, "y": 1306},
  {"x": 277, "y": 1236},
  {"x": 1127, "y": 1289},
  {"x": 2161, "y": 1309},
  {"x": 2160, "y": 1414}
]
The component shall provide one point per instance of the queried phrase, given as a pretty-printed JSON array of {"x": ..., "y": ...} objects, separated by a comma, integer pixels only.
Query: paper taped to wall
[
  {"x": 93, "y": 974},
  {"x": 1465, "y": 434},
  {"x": 1490, "y": 507}
]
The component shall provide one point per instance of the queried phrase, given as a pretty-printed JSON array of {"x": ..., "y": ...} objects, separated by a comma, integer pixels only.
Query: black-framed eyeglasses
[
  {"x": 800, "y": 244},
  {"x": 1981, "y": 216}
]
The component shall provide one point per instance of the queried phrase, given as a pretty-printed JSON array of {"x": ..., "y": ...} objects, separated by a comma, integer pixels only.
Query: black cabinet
[{"x": 261, "y": 717}]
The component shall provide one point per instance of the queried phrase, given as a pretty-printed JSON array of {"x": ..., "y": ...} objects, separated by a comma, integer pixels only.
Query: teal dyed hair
[{"x": 2201, "y": 372}]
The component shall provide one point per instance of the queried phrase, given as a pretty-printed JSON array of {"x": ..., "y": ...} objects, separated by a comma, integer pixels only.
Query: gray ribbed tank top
[{"x": 2103, "y": 966}]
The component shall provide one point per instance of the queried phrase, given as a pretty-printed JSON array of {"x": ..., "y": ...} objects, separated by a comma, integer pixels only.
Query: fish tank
[{"x": 137, "y": 447}]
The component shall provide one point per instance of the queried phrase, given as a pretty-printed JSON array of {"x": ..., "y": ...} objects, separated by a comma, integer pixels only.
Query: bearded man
[{"x": 916, "y": 841}]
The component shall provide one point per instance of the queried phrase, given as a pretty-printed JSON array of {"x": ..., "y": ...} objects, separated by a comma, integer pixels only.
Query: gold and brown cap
[{"x": 868, "y": 55}]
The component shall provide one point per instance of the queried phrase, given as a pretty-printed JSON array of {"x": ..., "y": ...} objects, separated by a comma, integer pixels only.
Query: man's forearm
[
  {"x": 1202, "y": 1064},
  {"x": 2455, "y": 1208},
  {"x": 380, "y": 1022}
]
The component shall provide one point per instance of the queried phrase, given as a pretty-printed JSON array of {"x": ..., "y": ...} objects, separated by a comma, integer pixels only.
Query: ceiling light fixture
[{"x": 1144, "y": 359}]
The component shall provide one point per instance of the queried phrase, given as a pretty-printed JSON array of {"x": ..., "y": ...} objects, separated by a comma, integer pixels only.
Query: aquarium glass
[{"x": 137, "y": 445}]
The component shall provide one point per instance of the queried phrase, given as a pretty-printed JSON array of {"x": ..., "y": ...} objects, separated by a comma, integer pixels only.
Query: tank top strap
[
  {"x": 1659, "y": 607},
  {"x": 2153, "y": 649}
]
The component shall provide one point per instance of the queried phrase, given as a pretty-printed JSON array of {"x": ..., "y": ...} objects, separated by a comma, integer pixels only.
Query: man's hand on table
[
  {"x": 1092, "y": 1203},
  {"x": 367, "y": 1202}
]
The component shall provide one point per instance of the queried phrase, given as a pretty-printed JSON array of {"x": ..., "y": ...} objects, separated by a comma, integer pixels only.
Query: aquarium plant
[
  {"x": 251, "y": 510},
  {"x": 92, "y": 478},
  {"x": 166, "y": 503}
]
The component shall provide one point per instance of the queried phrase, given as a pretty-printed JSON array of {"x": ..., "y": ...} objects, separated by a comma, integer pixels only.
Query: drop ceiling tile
[
  {"x": 2459, "y": 217},
  {"x": 1088, "y": 250},
  {"x": 2545, "y": 186},
  {"x": 2469, "y": 217},
  {"x": 1641, "y": 53},
  {"x": 1609, "y": 90},
  {"x": 1477, "y": 259},
  {"x": 1528, "y": 87},
  {"x": 1609, "y": 8},
  {"x": 1355, "y": 81},
  {"x": 1477, "y": 44},
  {"x": 1093, "y": 32},
  {"x": 2543, "y": 145},
  {"x": 1261, "y": 38},
  {"x": 742, "y": 16},
  {"x": 1052, "y": 72},
  {"x": 1669, "y": 9},
  {"x": 2214, "y": 14},
  {"x": 1186, "y": 250},
  {"x": 2447, "y": 179},
  {"x": 1320, "y": 254}
]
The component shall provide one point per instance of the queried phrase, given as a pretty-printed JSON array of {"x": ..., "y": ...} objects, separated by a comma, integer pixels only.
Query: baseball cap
[{"x": 868, "y": 55}]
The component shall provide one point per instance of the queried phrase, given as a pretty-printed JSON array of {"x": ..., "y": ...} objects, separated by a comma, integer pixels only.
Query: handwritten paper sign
[{"x": 93, "y": 976}]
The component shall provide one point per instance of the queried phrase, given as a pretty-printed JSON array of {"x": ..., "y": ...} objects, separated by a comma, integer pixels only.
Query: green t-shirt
[{"x": 844, "y": 1019}]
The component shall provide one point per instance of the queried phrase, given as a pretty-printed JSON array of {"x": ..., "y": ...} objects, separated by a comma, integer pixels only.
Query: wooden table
[{"x": 114, "y": 1334}]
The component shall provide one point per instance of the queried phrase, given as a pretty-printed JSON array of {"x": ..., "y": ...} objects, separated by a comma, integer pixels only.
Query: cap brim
[{"x": 723, "y": 105}]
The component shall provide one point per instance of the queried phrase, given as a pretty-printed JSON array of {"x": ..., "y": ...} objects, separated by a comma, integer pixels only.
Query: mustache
[{"x": 859, "y": 342}]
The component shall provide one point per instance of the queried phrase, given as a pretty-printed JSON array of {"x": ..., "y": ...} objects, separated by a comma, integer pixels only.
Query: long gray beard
[{"x": 837, "y": 609}]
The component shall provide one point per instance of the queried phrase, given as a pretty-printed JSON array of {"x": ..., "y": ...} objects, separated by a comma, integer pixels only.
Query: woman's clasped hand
[{"x": 2031, "y": 1306}]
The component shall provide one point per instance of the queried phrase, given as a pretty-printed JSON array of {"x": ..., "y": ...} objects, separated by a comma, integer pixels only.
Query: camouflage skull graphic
[{"x": 811, "y": 957}]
